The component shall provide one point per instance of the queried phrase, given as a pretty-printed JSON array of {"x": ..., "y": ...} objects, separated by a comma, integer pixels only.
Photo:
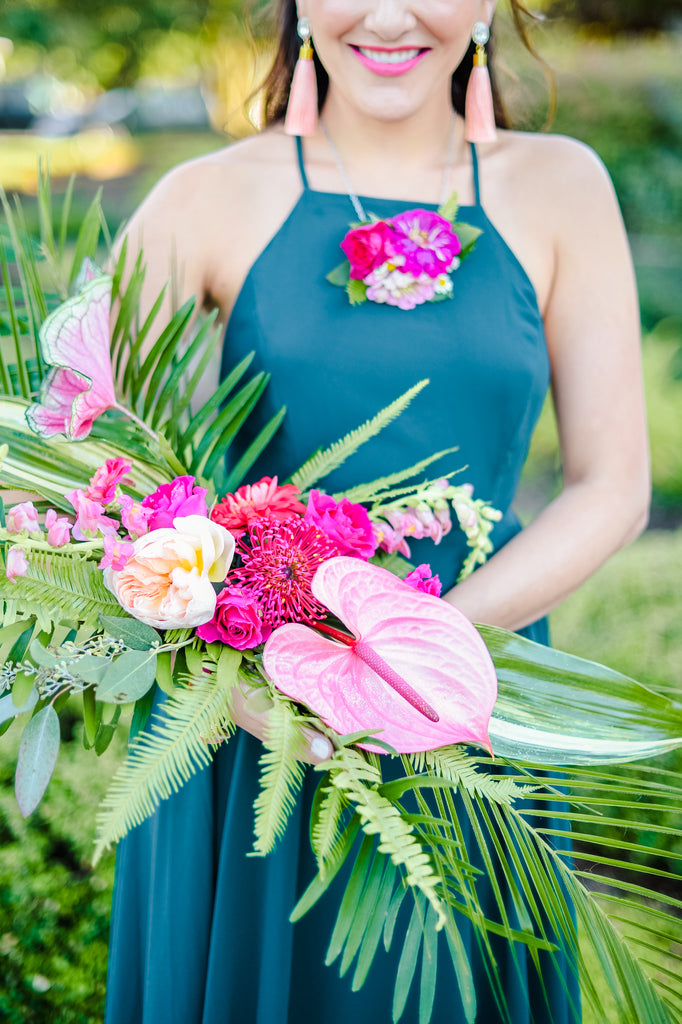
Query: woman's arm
[{"x": 592, "y": 328}]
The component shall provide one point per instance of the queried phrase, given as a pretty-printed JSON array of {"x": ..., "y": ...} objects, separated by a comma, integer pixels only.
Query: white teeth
[{"x": 389, "y": 56}]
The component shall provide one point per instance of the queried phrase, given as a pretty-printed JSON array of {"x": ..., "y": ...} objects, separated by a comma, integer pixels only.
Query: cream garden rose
[{"x": 168, "y": 581}]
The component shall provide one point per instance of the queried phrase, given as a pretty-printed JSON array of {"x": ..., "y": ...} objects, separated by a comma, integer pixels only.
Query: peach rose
[{"x": 168, "y": 581}]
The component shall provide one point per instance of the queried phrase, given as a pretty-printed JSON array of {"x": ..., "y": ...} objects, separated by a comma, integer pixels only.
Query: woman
[{"x": 200, "y": 933}]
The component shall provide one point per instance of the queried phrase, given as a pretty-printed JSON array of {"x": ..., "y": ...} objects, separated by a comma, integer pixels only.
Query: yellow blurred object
[
  {"x": 234, "y": 68},
  {"x": 99, "y": 153}
]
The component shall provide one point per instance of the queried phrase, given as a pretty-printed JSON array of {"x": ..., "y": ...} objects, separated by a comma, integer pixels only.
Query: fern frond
[
  {"x": 372, "y": 491},
  {"x": 163, "y": 759},
  {"x": 59, "y": 587},
  {"x": 457, "y": 766},
  {"x": 381, "y": 817},
  {"x": 281, "y": 776},
  {"x": 324, "y": 462},
  {"x": 325, "y": 826}
]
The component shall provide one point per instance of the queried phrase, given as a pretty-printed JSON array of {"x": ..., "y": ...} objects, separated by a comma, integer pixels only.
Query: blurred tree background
[{"x": 118, "y": 92}]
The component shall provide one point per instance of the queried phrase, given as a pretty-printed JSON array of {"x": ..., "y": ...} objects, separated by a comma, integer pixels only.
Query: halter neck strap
[
  {"x": 474, "y": 166},
  {"x": 301, "y": 164}
]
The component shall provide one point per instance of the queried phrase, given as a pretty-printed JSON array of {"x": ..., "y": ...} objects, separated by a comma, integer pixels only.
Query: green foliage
[
  {"x": 324, "y": 462},
  {"x": 281, "y": 775}
]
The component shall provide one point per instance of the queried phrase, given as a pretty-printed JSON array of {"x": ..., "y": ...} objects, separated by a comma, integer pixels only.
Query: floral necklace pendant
[{"x": 405, "y": 260}]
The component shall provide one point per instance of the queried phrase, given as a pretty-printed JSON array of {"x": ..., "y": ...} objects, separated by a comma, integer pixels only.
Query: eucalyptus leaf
[
  {"x": 128, "y": 677},
  {"x": 21, "y": 689},
  {"x": 133, "y": 633},
  {"x": 41, "y": 656},
  {"x": 8, "y": 708},
  {"x": 38, "y": 752}
]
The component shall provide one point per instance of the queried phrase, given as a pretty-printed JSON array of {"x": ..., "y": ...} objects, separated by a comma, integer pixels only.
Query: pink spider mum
[{"x": 279, "y": 560}]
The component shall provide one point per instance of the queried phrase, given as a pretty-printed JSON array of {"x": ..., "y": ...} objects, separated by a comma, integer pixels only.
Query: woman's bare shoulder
[
  {"x": 231, "y": 177},
  {"x": 560, "y": 173}
]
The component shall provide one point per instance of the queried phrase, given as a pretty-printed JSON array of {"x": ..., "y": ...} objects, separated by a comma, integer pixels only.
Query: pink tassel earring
[
  {"x": 479, "y": 116},
  {"x": 301, "y": 116}
]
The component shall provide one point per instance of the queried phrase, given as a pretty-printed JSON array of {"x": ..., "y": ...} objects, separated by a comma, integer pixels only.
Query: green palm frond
[
  {"x": 164, "y": 758},
  {"x": 59, "y": 587},
  {"x": 380, "y": 817},
  {"x": 324, "y": 462},
  {"x": 281, "y": 775}
]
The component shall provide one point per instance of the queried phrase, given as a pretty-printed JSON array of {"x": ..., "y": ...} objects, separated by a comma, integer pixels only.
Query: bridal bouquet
[{"x": 152, "y": 585}]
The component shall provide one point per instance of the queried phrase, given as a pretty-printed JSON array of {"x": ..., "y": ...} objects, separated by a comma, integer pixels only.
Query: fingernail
[{"x": 321, "y": 747}]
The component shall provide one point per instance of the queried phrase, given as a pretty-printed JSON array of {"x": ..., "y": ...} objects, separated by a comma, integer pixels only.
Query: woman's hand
[{"x": 251, "y": 711}]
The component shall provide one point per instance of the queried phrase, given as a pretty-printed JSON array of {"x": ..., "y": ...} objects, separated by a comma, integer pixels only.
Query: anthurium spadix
[{"x": 415, "y": 670}]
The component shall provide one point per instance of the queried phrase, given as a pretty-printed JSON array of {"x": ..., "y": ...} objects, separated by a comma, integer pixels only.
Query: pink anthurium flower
[
  {"x": 415, "y": 669},
  {"x": 79, "y": 387}
]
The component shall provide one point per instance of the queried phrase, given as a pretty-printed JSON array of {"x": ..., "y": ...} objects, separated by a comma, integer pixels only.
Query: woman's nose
[{"x": 390, "y": 19}]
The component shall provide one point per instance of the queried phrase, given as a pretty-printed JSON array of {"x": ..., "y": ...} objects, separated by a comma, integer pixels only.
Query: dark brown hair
[{"x": 278, "y": 82}]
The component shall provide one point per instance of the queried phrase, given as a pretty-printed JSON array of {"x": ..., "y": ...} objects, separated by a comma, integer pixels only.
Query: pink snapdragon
[
  {"x": 346, "y": 524},
  {"x": 16, "y": 564},
  {"x": 58, "y": 529},
  {"x": 134, "y": 516},
  {"x": 388, "y": 539},
  {"x": 103, "y": 483},
  {"x": 117, "y": 553},
  {"x": 22, "y": 517},
  {"x": 180, "y": 498},
  {"x": 90, "y": 518},
  {"x": 236, "y": 621},
  {"x": 422, "y": 579}
]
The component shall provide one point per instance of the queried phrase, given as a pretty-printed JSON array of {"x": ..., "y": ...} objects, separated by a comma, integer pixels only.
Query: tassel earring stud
[
  {"x": 301, "y": 117},
  {"x": 479, "y": 115}
]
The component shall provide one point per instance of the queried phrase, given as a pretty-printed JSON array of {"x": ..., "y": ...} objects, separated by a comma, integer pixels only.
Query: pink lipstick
[{"x": 389, "y": 62}]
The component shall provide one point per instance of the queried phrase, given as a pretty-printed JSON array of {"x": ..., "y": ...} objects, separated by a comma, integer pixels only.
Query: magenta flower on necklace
[{"x": 405, "y": 260}]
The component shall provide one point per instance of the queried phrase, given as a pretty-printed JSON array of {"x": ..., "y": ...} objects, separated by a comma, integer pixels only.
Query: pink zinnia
[
  {"x": 346, "y": 524},
  {"x": 279, "y": 560},
  {"x": 237, "y": 511},
  {"x": 427, "y": 242}
]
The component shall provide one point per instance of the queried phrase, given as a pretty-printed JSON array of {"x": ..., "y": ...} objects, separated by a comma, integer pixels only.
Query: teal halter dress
[{"x": 199, "y": 931}]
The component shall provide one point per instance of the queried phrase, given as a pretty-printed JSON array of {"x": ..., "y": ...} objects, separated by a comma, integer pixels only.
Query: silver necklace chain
[{"x": 357, "y": 205}]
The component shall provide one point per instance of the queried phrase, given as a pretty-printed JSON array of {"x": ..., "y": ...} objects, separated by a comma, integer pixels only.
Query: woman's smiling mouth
[{"x": 389, "y": 62}]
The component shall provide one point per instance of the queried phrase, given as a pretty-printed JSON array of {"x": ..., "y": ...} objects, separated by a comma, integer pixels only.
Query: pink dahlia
[
  {"x": 279, "y": 560},
  {"x": 427, "y": 242},
  {"x": 347, "y": 525},
  {"x": 237, "y": 511}
]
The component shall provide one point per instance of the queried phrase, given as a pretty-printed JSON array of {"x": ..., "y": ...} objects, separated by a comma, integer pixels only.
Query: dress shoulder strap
[
  {"x": 301, "y": 164},
  {"x": 474, "y": 167}
]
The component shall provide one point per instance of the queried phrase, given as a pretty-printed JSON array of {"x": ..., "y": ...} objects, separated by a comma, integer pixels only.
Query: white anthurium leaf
[
  {"x": 128, "y": 677},
  {"x": 8, "y": 709},
  {"x": 37, "y": 757},
  {"x": 557, "y": 709}
]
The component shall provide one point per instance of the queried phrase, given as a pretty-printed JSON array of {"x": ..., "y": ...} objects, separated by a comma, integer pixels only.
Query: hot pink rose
[
  {"x": 22, "y": 517},
  {"x": 58, "y": 529},
  {"x": 368, "y": 247},
  {"x": 103, "y": 483},
  {"x": 236, "y": 621},
  {"x": 348, "y": 526},
  {"x": 181, "y": 497},
  {"x": 16, "y": 564},
  {"x": 421, "y": 579}
]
